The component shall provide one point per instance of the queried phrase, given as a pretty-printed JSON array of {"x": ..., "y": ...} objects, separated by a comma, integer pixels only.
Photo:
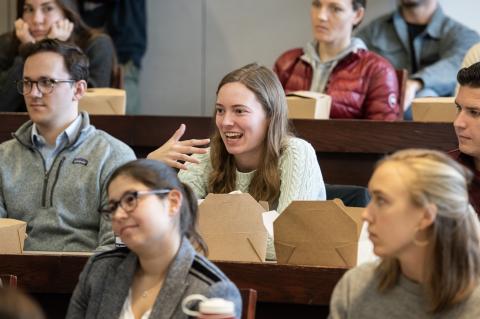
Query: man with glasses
[
  {"x": 54, "y": 171},
  {"x": 128, "y": 202}
]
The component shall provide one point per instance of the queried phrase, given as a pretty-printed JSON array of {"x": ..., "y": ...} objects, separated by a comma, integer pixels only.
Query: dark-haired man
[
  {"x": 54, "y": 170},
  {"x": 419, "y": 37},
  {"x": 467, "y": 126}
]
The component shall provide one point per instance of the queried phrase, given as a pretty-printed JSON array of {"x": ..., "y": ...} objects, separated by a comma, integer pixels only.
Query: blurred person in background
[
  {"x": 419, "y": 37},
  {"x": 362, "y": 84},
  {"x": 53, "y": 19},
  {"x": 126, "y": 23}
]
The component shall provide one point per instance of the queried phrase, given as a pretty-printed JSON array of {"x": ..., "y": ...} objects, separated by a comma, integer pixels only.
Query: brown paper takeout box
[
  {"x": 308, "y": 105},
  {"x": 434, "y": 109},
  {"x": 232, "y": 226},
  {"x": 12, "y": 235},
  {"x": 318, "y": 233},
  {"x": 104, "y": 101}
]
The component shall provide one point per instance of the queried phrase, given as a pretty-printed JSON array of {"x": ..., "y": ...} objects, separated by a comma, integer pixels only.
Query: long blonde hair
[
  {"x": 454, "y": 252},
  {"x": 265, "y": 184}
]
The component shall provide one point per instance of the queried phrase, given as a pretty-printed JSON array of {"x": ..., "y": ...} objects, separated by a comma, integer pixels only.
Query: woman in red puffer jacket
[{"x": 362, "y": 84}]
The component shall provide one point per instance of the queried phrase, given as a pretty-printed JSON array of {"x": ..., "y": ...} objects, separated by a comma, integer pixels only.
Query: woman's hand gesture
[{"x": 175, "y": 150}]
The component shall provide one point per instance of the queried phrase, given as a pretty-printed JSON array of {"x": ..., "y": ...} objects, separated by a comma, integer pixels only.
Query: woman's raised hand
[
  {"x": 22, "y": 31},
  {"x": 175, "y": 150},
  {"x": 61, "y": 30}
]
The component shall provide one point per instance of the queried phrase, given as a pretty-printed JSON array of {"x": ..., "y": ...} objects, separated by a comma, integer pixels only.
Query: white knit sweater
[{"x": 300, "y": 177}]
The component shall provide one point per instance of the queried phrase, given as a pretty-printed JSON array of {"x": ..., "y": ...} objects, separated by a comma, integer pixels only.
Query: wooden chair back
[
  {"x": 7, "y": 280},
  {"x": 249, "y": 301},
  {"x": 117, "y": 77},
  {"x": 402, "y": 77}
]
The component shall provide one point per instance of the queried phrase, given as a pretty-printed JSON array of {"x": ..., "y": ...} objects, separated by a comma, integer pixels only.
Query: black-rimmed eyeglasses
[
  {"x": 45, "y": 86},
  {"x": 128, "y": 202}
]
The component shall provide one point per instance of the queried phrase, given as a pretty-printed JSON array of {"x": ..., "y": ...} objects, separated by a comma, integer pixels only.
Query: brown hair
[
  {"x": 470, "y": 76},
  {"x": 81, "y": 34},
  {"x": 265, "y": 184},
  {"x": 14, "y": 304},
  {"x": 453, "y": 271},
  {"x": 157, "y": 175},
  {"x": 357, "y": 4},
  {"x": 76, "y": 62}
]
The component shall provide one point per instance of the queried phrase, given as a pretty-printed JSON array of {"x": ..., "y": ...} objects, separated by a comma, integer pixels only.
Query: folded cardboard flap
[
  {"x": 320, "y": 233},
  {"x": 232, "y": 227},
  {"x": 308, "y": 105},
  {"x": 434, "y": 109},
  {"x": 12, "y": 235},
  {"x": 104, "y": 101}
]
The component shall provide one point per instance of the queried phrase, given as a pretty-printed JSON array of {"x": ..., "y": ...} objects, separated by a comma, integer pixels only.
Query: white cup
[{"x": 213, "y": 308}]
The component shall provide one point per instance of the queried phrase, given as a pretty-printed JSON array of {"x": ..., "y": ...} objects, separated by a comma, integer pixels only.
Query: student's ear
[
  {"x": 429, "y": 216},
  {"x": 359, "y": 14},
  {"x": 174, "y": 201},
  {"x": 80, "y": 88}
]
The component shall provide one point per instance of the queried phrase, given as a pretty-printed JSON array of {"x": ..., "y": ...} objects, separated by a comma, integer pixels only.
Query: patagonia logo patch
[{"x": 80, "y": 161}]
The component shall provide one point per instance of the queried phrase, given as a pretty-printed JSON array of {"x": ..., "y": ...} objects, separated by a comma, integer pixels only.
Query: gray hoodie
[
  {"x": 61, "y": 205},
  {"x": 323, "y": 69}
]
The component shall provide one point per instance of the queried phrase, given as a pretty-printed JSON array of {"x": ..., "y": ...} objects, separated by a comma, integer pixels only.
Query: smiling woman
[
  {"x": 55, "y": 19},
  {"x": 155, "y": 215},
  {"x": 252, "y": 149}
]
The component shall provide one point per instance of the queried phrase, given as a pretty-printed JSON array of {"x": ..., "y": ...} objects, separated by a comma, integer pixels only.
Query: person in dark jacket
[
  {"x": 362, "y": 84},
  {"x": 58, "y": 19},
  {"x": 126, "y": 22},
  {"x": 467, "y": 127},
  {"x": 155, "y": 216}
]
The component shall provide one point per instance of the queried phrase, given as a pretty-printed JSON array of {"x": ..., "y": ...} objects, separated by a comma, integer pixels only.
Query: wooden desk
[
  {"x": 283, "y": 291},
  {"x": 346, "y": 149}
]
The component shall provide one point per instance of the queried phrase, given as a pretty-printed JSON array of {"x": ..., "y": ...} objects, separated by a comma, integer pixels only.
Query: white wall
[
  {"x": 193, "y": 43},
  {"x": 465, "y": 11},
  {"x": 7, "y": 15}
]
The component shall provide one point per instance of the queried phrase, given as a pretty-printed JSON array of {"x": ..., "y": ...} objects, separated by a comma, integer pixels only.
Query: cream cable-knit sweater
[{"x": 300, "y": 175}]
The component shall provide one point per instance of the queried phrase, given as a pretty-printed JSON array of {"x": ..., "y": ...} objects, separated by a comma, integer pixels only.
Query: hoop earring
[{"x": 419, "y": 243}]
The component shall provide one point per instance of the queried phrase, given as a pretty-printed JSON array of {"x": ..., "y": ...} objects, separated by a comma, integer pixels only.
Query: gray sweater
[
  {"x": 61, "y": 205},
  {"x": 356, "y": 296},
  {"x": 104, "y": 283}
]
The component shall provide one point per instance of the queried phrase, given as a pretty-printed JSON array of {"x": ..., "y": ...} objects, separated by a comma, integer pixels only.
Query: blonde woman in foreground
[{"x": 427, "y": 235}]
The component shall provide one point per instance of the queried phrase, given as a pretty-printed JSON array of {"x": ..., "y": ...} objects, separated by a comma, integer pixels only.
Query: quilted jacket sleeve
[
  {"x": 293, "y": 73},
  {"x": 382, "y": 95}
]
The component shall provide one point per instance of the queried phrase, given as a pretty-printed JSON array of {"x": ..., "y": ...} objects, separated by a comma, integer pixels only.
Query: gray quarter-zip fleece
[{"x": 60, "y": 205}]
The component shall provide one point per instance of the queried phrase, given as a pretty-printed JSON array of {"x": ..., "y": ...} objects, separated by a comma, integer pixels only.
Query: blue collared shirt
[{"x": 48, "y": 151}]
